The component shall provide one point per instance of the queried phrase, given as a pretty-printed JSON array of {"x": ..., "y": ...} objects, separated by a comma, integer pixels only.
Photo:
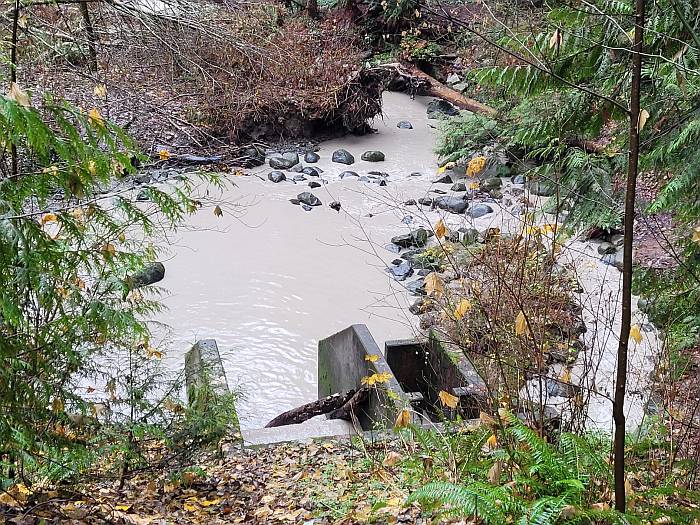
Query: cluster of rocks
[{"x": 610, "y": 249}]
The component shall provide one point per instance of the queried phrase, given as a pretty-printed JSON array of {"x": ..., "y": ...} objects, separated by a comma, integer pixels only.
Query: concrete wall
[
  {"x": 203, "y": 363},
  {"x": 342, "y": 365}
]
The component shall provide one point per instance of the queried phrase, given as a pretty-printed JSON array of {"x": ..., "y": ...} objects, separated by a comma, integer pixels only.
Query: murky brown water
[{"x": 278, "y": 279}]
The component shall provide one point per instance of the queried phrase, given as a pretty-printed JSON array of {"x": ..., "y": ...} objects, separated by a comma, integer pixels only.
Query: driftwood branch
[
  {"x": 431, "y": 86},
  {"x": 309, "y": 410},
  {"x": 349, "y": 410}
]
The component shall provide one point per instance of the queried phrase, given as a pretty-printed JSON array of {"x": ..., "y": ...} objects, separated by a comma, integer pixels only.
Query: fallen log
[
  {"x": 349, "y": 410},
  {"x": 430, "y": 86},
  {"x": 309, "y": 410}
]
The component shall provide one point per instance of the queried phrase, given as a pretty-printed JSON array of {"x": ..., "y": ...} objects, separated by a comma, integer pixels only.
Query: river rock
[
  {"x": 297, "y": 168},
  {"x": 459, "y": 186},
  {"x": 142, "y": 179},
  {"x": 453, "y": 236},
  {"x": 253, "y": 157},
  {"x": 416, "y": 174},
  {"x": 373, "y": 156},
  {"x": 439, "y": 108},
  {"x": 439, "y": 191},
  {"x": 410, "y": 202},
  {"x": 150, "y": 274},
  {"x": 615, "y": 259},
  {"x": 311, "y": 172},
  {"x": 299, "y": 178},
  {"x": 142, "y": 196},
  {"x": 346, "y": 174},
  {"x": 404, "y": 124},
  {"x": 314, "y": 184},
  {"x": 605, "y": 248},
  {"x": 451, "y": 204},
  {"x": 342, "y": 156},
  {"x": 496, "y": 195},
  {"x": 284, "y": 161},
  {"x": 276, "y": 176},
  {"x": 364, "y": 178},
  {"x": 311, "y": 157},
  {"x": 479, "y": 210},
  {"x": 400, "y": 269},
  {"x": 295, "y": 202},
  {"x": 417, "y": 238},
  {"x": 309, "y": 199},
  {"x": 335, "y": 205},
  {"x": 453, "y": 79},
  {"x": 469, "y": 236},
  {"x": 492, "y": 183},
  {"x": 445, "y": 179},
  {"x": 307, "y": 207},
  {"x": 416, "y": 287},
  {"x": 518, "y": 179},
  {"x": 425, "y": 201},
  {"x": 417, "y": 307},
  {"x": 541, "y": 188},
  {"x": 617, "y": 239}
]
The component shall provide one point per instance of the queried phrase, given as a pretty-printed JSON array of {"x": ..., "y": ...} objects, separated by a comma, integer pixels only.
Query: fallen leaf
[
  {"x": 433, "y": 284},
  {"x": 440, "y": 229},
  {"x": 218, "y": 212},
  {"x": 95, "y": 118},
  {"x": 643, "y": 117},
  {"x": 492, "y": 442},
  {"x": 382, "y": 377},
  {"x": 636, "y": 333},
  {"x": 403, "y": 419},
  {"x": 391, "y": 459},
  {"x": 164, "y": 154},
  {"x": 448, "y": 399},
  {"x": 494, "y": 474},
  {"x": 18, "y": 95},
  {"x": 100, "y": 91},
  {"x": 462, "y": 309},
  {"x": 372, "y": 358},
  {"x": 122, "y": 507},
  {"x": 48, "y": 217},
  {"x": 521, "y": 324}
]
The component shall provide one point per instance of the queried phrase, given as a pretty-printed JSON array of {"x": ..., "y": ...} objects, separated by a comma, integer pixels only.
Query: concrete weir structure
[{"x": 203, "y": 365}]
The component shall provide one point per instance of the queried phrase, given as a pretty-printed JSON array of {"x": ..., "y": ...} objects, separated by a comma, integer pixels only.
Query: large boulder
[
  {"x": 311, "y": 157},
  {"x": 479, "y": 210},
  {"x": 373, "y": 156},
  {"x": 347, "y": 174},
  {"x": 490, "y": 184},
  {"x": 285, "y": 161},
  {"x": 439, "y": 108},
  {"x": 451, "y": 204},
  {"x": 276, "y": 176},
  {"x": 541, "y": 187},
  {"x": 311, "y": 172},
  {"x": 309, "y": 199},
  {"x": 149, "y": 274},
  {"x": 417, "y": 238},
  {"x": 343, "y": 157}
]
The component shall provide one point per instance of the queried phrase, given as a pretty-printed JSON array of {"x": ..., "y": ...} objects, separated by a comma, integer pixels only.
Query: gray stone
[
  {"x": 335, "y": 205},
  {"x": 416, "y": 174},
  {"x": 479, "y": 210},
  {"x": 284, "y": 162},
  {"x": 306, "y": 207},
  {"x": 299, "y": 178},
  {"x": 309, "y": 199},
  {"x": 295, "y": 202},
  {"x": 496, "y": 194},
  {"x": 253, "y": 157},
  {"x": 149, "y": 274},
  {"x": 439, "y": 108},
  {"x": 343, "y": 157},
  {"x": 605, "y": 248},
  {"x": 276, "y": 176},
  {"x": 445, "y": 179},
  {"x": 439, "y": 191},
  {"x": 541, "y": 188},
  {"x": 451, "y": 204},
  {"x": 311, "y": 157},
  {"x": 314, "y": 184},
  {"x": 142, "y": 196},
  {"x": 425, "y": 201},
  {"x": 311, "y": 172},
  {"x": 410, "y": 202},
  {"x": 373, "y": 156},
  {"x": 492, "y": 183},
  {"x": 404, "y": 124},
  {"x": 614, "y": 259},
  {"x": 417, "y": 238},
  {"x": 400, "y": 269},
  {"x": 364, "y": 178},
  {"x": 469, "y": 236},
  {"x": 346, "y": 174},
  {"x": 617, "y": 239},
  {"x": 453, "y": 79},
  {"x": 459, "y": 186},
  {"x": 518, "y": 179},
  {"x": 453, "y": 236},
  {"x": 417, "y": 307},
  {"x": 142, "y": 179},
  {"x": 416, "y": 287}
]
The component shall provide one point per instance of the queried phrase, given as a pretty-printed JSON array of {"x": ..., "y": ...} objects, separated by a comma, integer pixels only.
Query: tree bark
[
  {"x": 632, "y": 171},
  {"x": 90, "y": 30},
  {"x": 312, "y": 9},
  {"x": 349, "y": 410}
]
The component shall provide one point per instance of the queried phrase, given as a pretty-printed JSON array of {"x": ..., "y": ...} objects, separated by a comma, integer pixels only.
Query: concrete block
[{"x": 203, "y": 364}]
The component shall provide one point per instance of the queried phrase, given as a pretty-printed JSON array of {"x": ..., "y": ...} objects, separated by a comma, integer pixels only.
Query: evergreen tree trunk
[
  {"x": 312, "y": 8},
  {"x": 632, "y": 171}
]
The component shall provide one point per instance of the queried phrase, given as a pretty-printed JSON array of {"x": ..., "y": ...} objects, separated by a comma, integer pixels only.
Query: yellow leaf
[
  {"x": 218, "y": 212},
  {"x": 164, "y": 154},
  {"x": 696, "y": 235},
  {"x": 121, "y": 237},
  {"x": 448, "y": 399},
  {"x": 382, "y": 377},
  {"x": 521, "y": 324},
  {"x": 92, "y": 168},
  {"x": 51, "y": 170},
  {"x": 556, "y": 39},
  {"x": 473, "y": 185},
  {"x": 49, "y": 217},
  {"x": 475, "y": 166},
  {"x": 210, "y": 502},
  {"x": 492, "y": 442},
  {"x": 636, "y": 333},
  {"x": 189, "y": 507},
  {"x": 440, "y": 229},
  {"x": 122, "y": 507},
  {"x": 433, "y": 284},
  {"x": 95, "y": 118},
  {"x": 100, "y": 91},
  {"x": 566, "y": 376},
  {"x": 57, "y": 404},
  {"x": 108, "y": 250},
  {"x": 372, "y": 358},
  {"x": 403, "y": 419},
  {"x": 441, "y": 169},
  {"x": 18, "y": 95},
  {"x": 643, "y": 117},
  {"x": 462, "y": 309}
]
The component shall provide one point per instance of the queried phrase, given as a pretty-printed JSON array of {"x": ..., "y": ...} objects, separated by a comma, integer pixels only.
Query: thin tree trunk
[
  {"x": 632, "y": 171},
  {"x": 312, "y": 9},
  {"x": 90, "y": 30},
  {"x": 13, "y": 77}
]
